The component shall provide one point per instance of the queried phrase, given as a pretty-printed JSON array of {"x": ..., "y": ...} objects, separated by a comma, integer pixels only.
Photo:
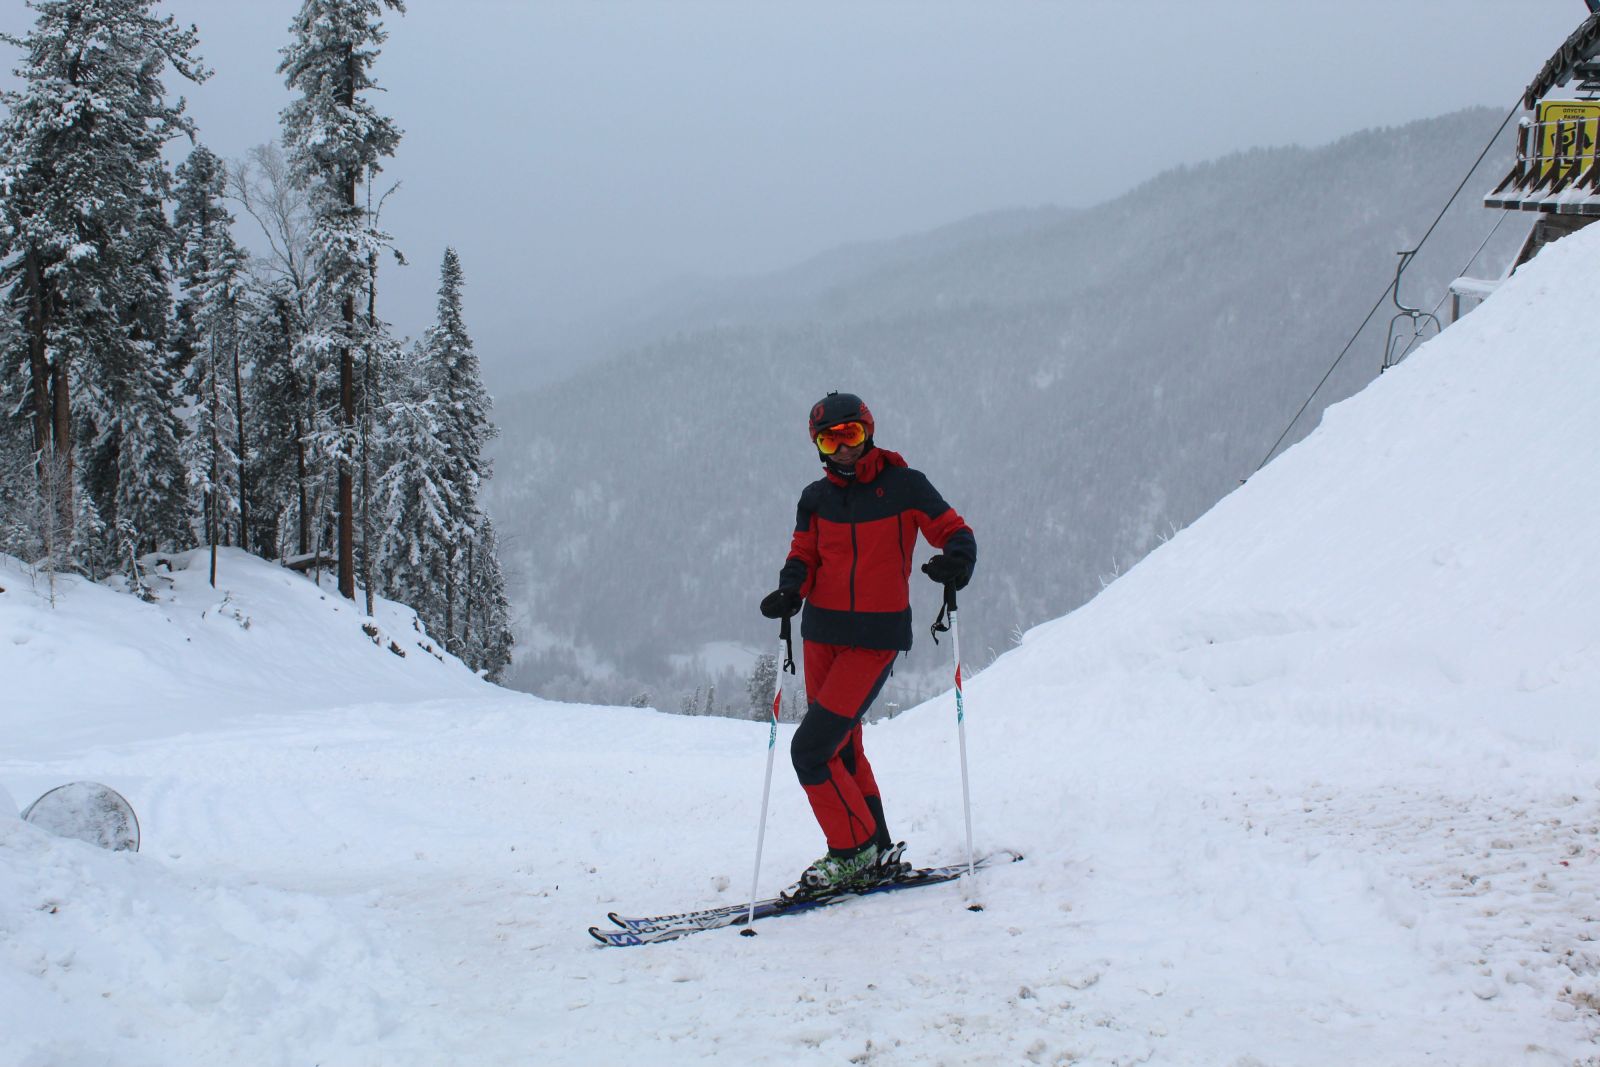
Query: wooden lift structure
[{"x": 1556, "y": 173}]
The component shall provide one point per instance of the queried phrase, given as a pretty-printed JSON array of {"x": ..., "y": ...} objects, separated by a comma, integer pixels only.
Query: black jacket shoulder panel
[
  {"x": 810, "y": 503},
  {"x": 923, "y": 496}
]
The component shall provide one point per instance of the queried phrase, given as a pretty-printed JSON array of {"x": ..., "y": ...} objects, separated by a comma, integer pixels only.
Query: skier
[{"x": 850, "y": 563}]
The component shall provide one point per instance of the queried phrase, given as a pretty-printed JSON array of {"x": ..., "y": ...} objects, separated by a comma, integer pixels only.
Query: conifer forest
[{"x": 191, "y": 354}]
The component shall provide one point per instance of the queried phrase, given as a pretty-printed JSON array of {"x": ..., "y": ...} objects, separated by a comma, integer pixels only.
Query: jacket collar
[{"x": 867, "y": 468}]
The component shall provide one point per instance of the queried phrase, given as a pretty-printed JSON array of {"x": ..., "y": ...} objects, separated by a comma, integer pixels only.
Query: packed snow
[{"x": 1315, "y": 783}]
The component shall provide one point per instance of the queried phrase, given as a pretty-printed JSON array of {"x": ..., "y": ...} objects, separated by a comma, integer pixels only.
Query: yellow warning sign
[{"x": 1569, "y": 131}]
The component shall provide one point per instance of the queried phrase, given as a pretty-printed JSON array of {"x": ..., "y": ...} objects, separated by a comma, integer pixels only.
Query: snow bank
[
  {"x": 1423, "y": 554},
  {"x": 110, "y": 957},
  {"x": 83, "y": 663}
]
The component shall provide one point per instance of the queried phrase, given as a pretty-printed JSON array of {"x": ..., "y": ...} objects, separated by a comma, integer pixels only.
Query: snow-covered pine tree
[
  {"x": 126, "y": 411},
  {"x": 466, "y": 428},
  {"x": 416, "y": 498},
  {"x": 761, "y": 685},
  {"x": 486, "y": 627},
  {"x": 335, "y": 140},
  {"x": 206, "y": 340},
  {"x": 275, "y": 463},
  {"x": 83, "y": 251}
]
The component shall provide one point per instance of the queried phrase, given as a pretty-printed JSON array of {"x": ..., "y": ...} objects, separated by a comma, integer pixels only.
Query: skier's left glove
[{"x": 948, "y": 570}]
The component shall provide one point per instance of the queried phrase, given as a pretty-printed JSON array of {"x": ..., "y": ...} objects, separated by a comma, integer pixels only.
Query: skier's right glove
[{"x": 780, "y": 604}]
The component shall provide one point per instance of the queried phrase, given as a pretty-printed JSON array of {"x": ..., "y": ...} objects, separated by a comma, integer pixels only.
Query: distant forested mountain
[{"x": 1078, "y": 384}]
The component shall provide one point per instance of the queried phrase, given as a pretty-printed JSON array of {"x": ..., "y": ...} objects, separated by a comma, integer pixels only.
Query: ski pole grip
[
  {"x": 949, "y": 596},
  {"x": 786, "y": 637}
]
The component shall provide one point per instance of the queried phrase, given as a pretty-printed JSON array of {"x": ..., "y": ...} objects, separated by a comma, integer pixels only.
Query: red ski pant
[{"x": 841, "y": 683}]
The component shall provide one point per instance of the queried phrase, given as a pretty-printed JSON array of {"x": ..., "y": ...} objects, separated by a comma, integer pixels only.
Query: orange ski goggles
[{"x": 844, "y": 435}]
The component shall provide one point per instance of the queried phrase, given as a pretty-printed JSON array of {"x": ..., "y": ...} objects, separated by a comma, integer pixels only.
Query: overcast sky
[{"x": 577, "y": 152}]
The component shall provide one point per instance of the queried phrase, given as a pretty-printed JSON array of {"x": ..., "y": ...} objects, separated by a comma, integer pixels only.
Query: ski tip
[
  {"x": 616, "y": 919},
  {"x": 599, "y": 935}
]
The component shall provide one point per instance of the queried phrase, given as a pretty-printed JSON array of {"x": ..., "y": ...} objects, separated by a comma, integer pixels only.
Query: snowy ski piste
[{"x": 1314, "y": 783}]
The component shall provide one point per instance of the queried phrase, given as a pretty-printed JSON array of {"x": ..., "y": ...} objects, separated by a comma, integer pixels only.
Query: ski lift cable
[
  {"x": 1515, "y": 110},
  {"x": 1501, "y": 221}
]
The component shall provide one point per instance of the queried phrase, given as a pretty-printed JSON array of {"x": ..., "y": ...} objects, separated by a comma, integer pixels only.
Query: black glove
[
  {"x": 780, "y": 604},
  {"x": 948, "y": 570}
]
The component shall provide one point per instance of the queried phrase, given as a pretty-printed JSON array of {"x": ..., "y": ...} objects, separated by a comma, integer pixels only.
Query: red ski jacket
[{"x": 851, "y": 553}]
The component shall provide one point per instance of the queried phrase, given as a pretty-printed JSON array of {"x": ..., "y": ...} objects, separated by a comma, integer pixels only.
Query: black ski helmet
[{"x": 835, "y": 408}]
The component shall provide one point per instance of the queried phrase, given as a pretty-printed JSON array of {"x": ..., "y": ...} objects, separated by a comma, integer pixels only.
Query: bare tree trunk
[
  {"x": 47, "y": 513},
  {"x": 61, "y": 403},
  {"x": 316, "y": 557},
  {"x": 466, "y": 604},
  {"x": 450, "y": 601},
  {"x": 238, "y": 410},
  {"x": 213, "y": 519},
  {"x": 347, "y": 413},
  {"x": 366, "y": 509},
  {"x": 38, "y": 353},
  {"x": 347, "y": 392},
  {"x": 300, "y": 481},
  {"x": 368, "y": 396},
  {"x": 52, "y": 410}
]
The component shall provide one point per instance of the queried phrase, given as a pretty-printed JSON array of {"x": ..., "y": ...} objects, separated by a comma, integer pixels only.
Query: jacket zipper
[
  {"x": 855, "y": 551},
  {"x": 900, "y": 541}
]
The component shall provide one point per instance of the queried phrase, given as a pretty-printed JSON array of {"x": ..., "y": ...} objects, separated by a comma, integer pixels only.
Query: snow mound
[
  {"x": 1422, "y": 554},
  {"x": 174, "y": 964},
  {"x": 83, "y": 662}
]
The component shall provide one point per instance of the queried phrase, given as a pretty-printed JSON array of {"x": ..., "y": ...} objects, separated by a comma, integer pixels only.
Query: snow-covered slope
[
  {"x": 1313, "y": 784},
  {"x": 84, "y": 662}
]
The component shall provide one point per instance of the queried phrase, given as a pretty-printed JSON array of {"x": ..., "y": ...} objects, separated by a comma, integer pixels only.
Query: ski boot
[{"x": 834, "y": 873}]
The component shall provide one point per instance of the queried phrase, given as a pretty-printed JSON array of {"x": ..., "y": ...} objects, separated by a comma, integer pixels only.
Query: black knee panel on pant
[{"x": 820, "y": 734}]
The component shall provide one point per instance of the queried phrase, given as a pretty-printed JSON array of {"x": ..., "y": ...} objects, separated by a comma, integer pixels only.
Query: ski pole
[
  {"x": 946, "y": 622},
  {"x": 783, "y": 662},
  {"x": 961, "y": 725}
]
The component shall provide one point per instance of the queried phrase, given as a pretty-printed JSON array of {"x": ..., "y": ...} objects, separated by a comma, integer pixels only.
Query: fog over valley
[{"x": 1080, "y": 385}]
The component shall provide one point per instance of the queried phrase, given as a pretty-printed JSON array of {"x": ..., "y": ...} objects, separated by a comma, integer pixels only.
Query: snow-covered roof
[
  {"x": 1560, "y": 68},
  {"x": 1557, "y": 169}
]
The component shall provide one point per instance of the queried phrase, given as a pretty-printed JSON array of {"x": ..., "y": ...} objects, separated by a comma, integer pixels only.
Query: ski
[
  {"x": 649, "y": 930},
  {"x": 915, "y": 876},
  {"x": 687, "y": 918}
]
